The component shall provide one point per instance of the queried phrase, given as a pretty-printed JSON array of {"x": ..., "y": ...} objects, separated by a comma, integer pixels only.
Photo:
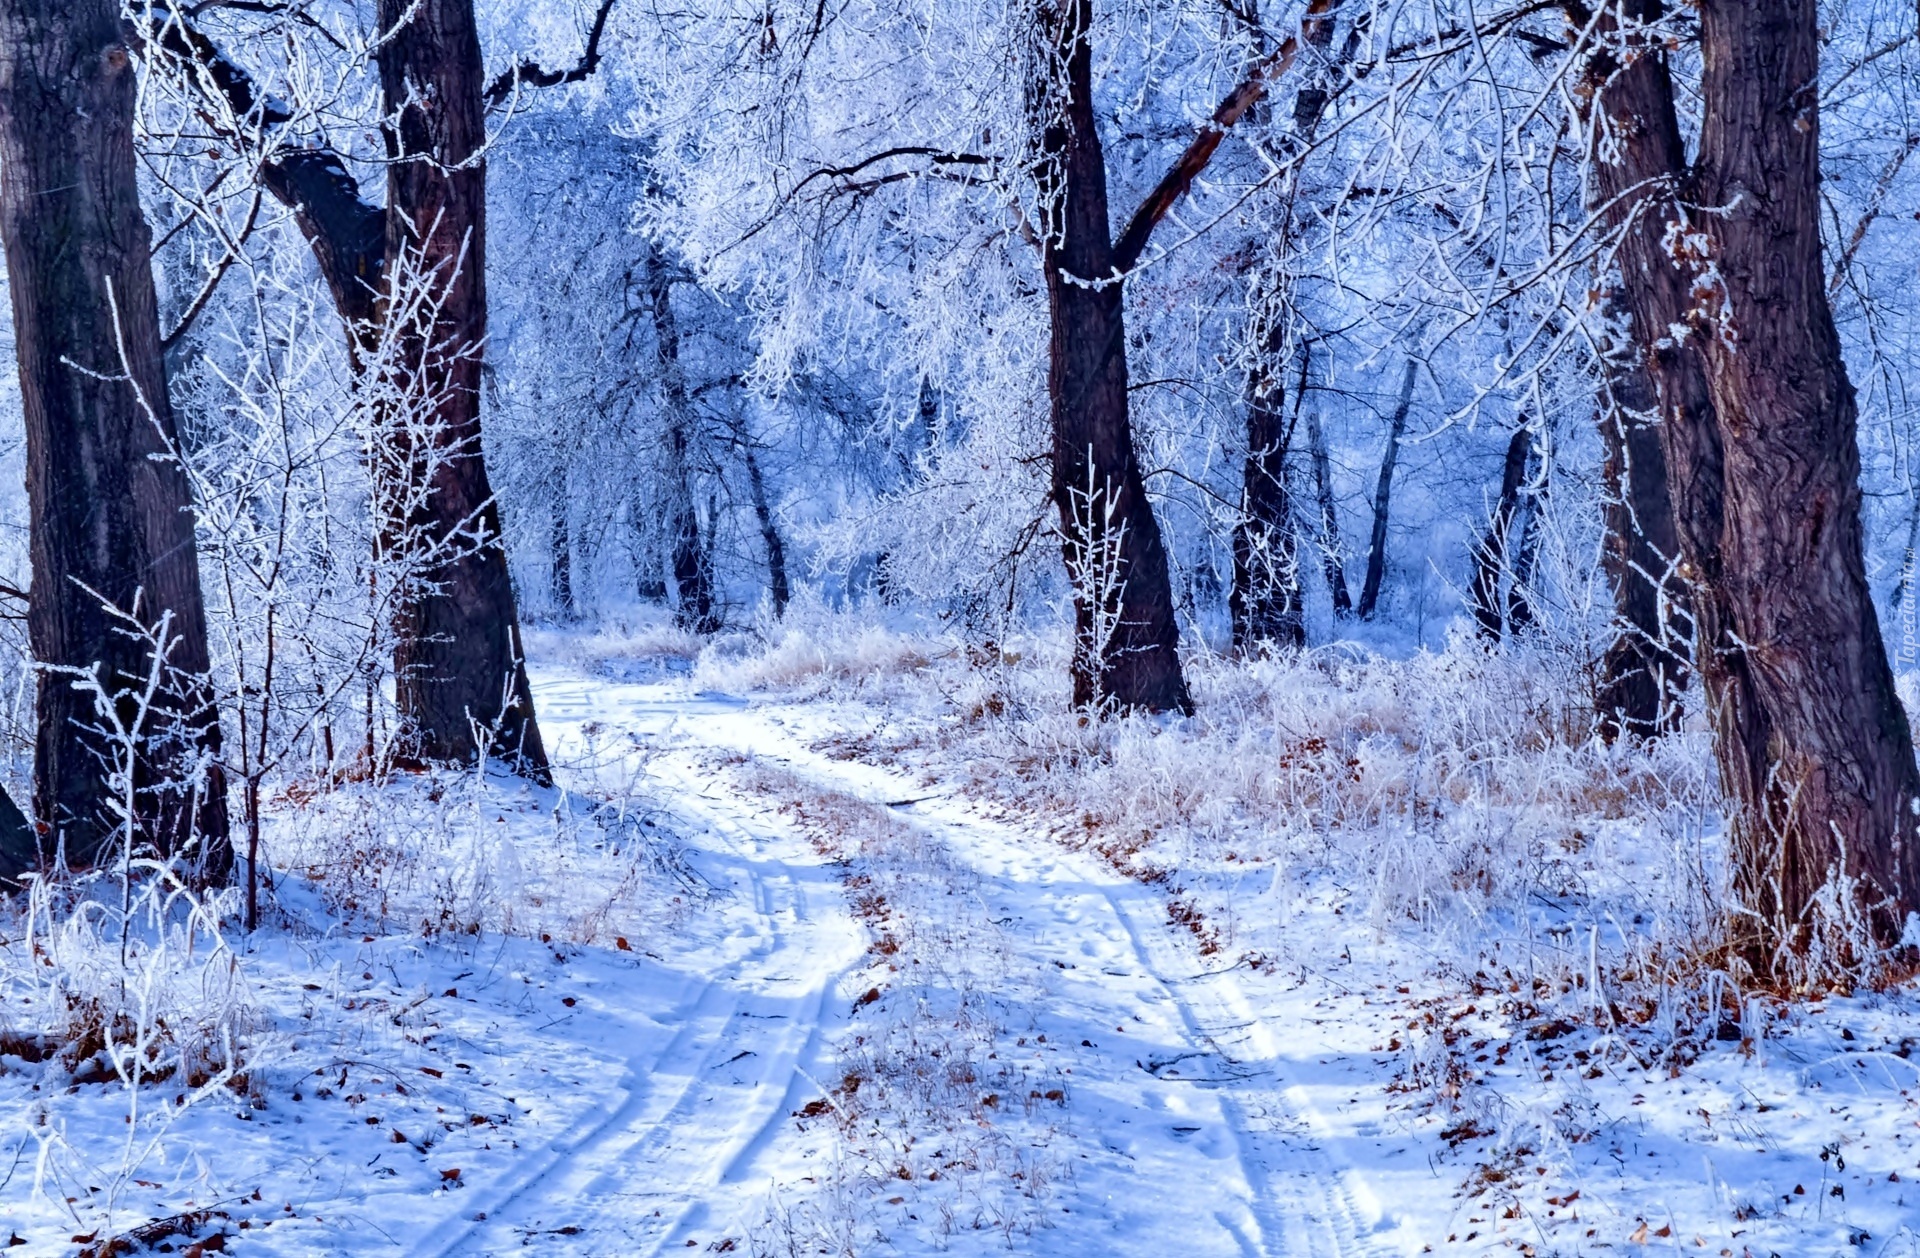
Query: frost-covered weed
[
  {"x": 813, "y": 649},
  {"x": 459, "y": 852},
  {"x": 127, "y": 982}
]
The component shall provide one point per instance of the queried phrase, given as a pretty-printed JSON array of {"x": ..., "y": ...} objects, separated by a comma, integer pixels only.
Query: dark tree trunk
[
  {"x": 111, "y": 524},
  {"x": 692, "y": 562},
  {"x": 458, "y": 661},
  {"x": 1645, "y": 668},
  {"x": 1842, "y": 791},
  {"x": 1637, "y": 109},
  {"x": 563, "y": 600},
  {"x": 1332, "y": 566},
  {"x": 1526, "y": 553},
  {"x": 1126, "y": 640},
  {"x": 1490, "y": 560},
  {"x": 777, "y": 587},
  {"x": 1383, "y": 498},
  {"x": 1264, "y": 604},
  {"x": 1814, "y": 752}
]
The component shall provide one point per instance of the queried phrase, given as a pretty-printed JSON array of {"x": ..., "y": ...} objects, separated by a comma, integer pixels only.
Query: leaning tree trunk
[
  {"x": 459, "y": 670},
  {"x": 1842, "y": 793},
  {"x": 1383, "y": 498},
  {"x": 692, "y": 561},
  {"x": 111, "y": 527},
  {"x": 1126, "y": 642},
  {"x": 1645, "y": 668}
]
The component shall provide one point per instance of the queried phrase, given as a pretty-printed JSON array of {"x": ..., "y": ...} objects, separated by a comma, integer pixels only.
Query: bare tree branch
[{"x": 531, "y": 74}]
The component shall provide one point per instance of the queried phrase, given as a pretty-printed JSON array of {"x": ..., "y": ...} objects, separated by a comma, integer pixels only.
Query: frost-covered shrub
[
  {"x": 442, "y": 853},
  {"x": 134, "y": 984},
  {"x": 812, "y": 649}
]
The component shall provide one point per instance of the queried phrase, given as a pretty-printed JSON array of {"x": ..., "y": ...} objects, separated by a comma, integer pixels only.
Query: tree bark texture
[
  {"x": 1632, "y": 156},
  {"x": 458, "y": 661},
  {"x": 110, "y": 513},
  {"x": 1758, "y": 420},
  {"x": 1126, "y": 639},
  {"x": 1841, "y": 790},
  {"x": 692, "y": 560}
]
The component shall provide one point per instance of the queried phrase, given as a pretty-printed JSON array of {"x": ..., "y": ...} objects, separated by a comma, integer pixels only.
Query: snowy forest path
[
  {"x": 1181, "y": 1098},
  {"x": 637, "y": 1179}
]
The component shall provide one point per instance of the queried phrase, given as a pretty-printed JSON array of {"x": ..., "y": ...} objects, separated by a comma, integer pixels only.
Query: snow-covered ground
[{"x": 817, "y": 952}]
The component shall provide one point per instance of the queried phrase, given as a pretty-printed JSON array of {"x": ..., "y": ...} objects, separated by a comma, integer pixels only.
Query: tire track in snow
[
  {"x": 1297, "y": 1200},
  {"x": 690, "y": 1117}
]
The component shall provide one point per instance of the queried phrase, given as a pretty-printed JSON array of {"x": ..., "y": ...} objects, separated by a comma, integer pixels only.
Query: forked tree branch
[
  {"x": 1180, "y": 176},
  {"x": 531, "y": 74}
]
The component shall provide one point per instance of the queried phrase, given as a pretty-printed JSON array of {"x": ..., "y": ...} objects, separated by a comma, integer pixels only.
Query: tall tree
[
  {"x": 692, "y": 558},
  {"x": 1626, "y": 107},
  {"x": 1126, "y": 640},
  {"x": 458, "y": 661},
  {"x": 1383, "y": 497},
  {"x": 460, "y": 673},
  {"x": 1841, "y": 795},
  {"x": 1815, "y": 754},
  {"x": 1264, "y": 603},
  {"x": 116, "y": 579}
]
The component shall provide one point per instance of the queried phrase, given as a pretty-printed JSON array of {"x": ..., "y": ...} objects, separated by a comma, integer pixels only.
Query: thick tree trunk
[
  {"x": 1841, "y": 792},
  {"x": 458, "y": 661},
  {"x": 1642, "y": 129},
  {"x": 1645, "y": 668},
  {"x": 1264, "y": 604},
  {"x": 1383, "y": 498},
  {"x": 1126, "y": 640},
  {"x": 111, "y": 525}
]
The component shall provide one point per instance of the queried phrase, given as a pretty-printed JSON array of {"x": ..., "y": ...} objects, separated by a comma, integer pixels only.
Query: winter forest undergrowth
[{"x": 1269, "y": 628}]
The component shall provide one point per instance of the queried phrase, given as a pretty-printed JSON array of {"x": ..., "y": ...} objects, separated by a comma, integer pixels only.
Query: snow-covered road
[
  {"x": 776, "y": 976},
  {"x": 1184, "y": 1120}
]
